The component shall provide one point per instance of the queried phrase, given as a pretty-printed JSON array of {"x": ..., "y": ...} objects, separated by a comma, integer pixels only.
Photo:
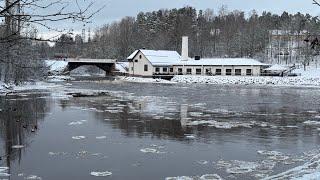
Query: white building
[{"x": 152, "y": 63}]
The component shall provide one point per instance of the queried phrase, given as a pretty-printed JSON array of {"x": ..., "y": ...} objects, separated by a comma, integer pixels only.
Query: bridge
[{"x": 107, "y": 65}]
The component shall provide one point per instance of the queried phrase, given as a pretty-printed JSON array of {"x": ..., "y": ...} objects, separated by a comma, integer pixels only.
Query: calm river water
[{"x": 156, "y": 131}]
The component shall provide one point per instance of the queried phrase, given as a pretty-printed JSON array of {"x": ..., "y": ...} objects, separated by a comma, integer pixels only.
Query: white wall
[
  {"x": 137, "y": 68},
  {"x": 255, "y": 69}
]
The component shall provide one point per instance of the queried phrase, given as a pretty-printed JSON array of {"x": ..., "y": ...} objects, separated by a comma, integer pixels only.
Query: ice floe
[
  {"x": 101, "y": 174},
  {"x": 4, "y": 172},
  {"x": 309, "y": 170},
  {"x": 33, "y": 177},
  {"x": 203, "y": 177},
  {"x": 77, "y": 122},
  {"x": 101, "y": 137},
  {"x": 17, "y": 146},
  {"x": 78, "y": 137},
  {"x": 311, "y": 123}
]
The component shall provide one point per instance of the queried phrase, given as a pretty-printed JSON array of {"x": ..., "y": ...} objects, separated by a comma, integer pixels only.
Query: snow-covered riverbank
[
  {"x": 299, "y": 81},
  {"x": 10, "y": 88}
]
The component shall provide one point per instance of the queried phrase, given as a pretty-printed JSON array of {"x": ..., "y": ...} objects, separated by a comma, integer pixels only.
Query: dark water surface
[{"x": 154, "y": 131}]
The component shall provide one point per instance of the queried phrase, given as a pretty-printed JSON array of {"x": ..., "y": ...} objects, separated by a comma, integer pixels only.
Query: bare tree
[{"x": 21, "y": 16}]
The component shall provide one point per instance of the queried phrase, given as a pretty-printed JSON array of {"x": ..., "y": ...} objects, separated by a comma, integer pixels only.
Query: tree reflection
[{"x": 19, "y": 118}]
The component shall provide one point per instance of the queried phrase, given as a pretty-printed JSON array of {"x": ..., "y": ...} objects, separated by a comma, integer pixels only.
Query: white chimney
[{"x": 185, "y": 49}]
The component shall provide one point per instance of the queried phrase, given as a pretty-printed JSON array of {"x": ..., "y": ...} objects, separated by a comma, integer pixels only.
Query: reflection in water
[
  {"x": 143, "y": 132},
  {"x": 19, "y": 121}
]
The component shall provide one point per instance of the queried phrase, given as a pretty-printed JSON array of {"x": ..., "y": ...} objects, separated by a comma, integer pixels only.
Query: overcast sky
[{"x": 116, "y": 9}]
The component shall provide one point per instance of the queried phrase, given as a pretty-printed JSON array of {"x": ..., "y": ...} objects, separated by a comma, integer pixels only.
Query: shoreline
[{"x": 258, "y": 81}]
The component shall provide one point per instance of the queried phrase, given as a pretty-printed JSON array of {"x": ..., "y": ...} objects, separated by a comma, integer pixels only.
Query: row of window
[{"x": 238, "y": 72}]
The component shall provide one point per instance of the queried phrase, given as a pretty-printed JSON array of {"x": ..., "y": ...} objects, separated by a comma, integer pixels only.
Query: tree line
[{"x": 222, "y": 34}]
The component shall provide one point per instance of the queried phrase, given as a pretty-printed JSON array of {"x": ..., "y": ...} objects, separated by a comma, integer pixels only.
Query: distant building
[
  {"x": 151, "y": 63},
  {"x": 286, "y": 47}
]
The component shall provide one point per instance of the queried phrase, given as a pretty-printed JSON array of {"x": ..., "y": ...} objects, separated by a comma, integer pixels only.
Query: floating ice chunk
[
  {"x": 149, "y": 150},
  {"x": 317, "y": 117},
  {"x": 196, "y": 114},
  {"x": 242, "y": 167},
  {"x": 4, "y": 172},
  {"x": 78, "y": 137},
  {"x": 101, "y": 174},
  {"x": 274, "y": 155},
  {"x": 33, "y": 177},
  {"x": 311, "y": 122},
  {"x": 210, "y": 177},
  {"x": 77, "y": 123},
  {"x": 179, "y": 178},
  {"x": 57, "y": 153},
  {"x": 101, "y": 137},
  {"x": 270, "y": 153},
  {"x": 202, "y": 162},
  {"x": 17, "y": 147}
]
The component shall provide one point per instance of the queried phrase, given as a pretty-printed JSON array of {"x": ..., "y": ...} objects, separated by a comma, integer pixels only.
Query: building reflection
[
  {"x": 159, "y": 117},
  {"x": 20, "y": 116}
]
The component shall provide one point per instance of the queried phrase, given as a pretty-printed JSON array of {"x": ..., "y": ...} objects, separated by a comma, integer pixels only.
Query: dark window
[
  {"x": 189, "y": 71},
  {"x": 140, "y": 57},
  {"x": 157, "y": 69},
  {"x": 171, "y": 69},
  {"x": 136, "y": 60},
  {"x": 131, "y": 68},
  {"x": 198, "y": 71},
  {"x": 228, "y": 72},
  {"x": 218, "y": 71},
  {"x": 180, "y": 71},
  {"x": 249, "y": 72},
  {"x": 145, "y": 67},
  {"x": 238, "y": 72},
  {"x": 208, "y": 71},
  {"x": 165, "y": 69}
]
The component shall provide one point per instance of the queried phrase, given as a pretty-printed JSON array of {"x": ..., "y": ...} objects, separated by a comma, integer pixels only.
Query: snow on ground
[
  {"x": 56, "y": 66},
  {"x": 250, "y": 80},
  {"x": 310, "y": 72},
  {"x": 144, "y": 80},
  {"x": 6, "y": 88}
]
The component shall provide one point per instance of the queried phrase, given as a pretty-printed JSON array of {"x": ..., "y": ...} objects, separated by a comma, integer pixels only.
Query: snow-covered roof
[
  {"x": 223, "y": 62},
  {"x": 168, "y": 58},
  {"x": 276, "y": 67},
  {"x": 158, "y": 57}
]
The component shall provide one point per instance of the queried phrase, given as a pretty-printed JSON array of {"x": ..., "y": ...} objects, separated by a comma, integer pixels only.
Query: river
[{"x": 156, "y": 131}]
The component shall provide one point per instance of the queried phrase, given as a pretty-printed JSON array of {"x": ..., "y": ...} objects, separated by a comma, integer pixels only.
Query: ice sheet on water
[
  {"x": 222, "y": 125},
  {"x": 101, "y": 174},
  {"x": 78, "y": 137},
  {"x": 203, "y": 177},
  {"x": 309, "y": 170}
]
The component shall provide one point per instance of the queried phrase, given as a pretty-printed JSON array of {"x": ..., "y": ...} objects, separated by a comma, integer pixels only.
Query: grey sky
[{"x": 116, "y": 9}]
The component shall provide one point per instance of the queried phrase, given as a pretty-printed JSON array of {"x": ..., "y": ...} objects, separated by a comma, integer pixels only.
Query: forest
[{"x": 222, "y": 34}]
